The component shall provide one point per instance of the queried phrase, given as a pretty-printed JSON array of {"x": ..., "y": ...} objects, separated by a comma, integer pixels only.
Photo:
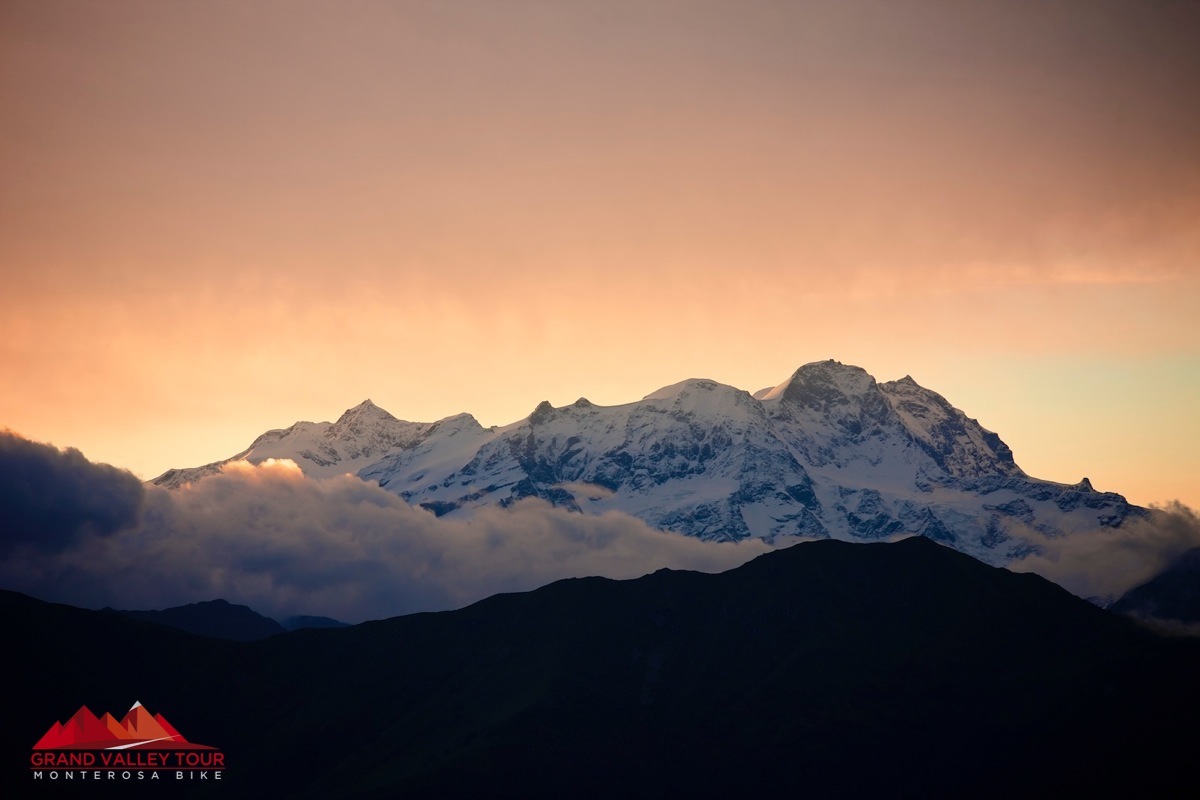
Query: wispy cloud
[{"x": 1111, "y": 561}]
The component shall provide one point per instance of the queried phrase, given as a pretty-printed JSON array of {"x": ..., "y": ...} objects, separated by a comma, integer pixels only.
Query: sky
[{"x": 218, "y": 218}]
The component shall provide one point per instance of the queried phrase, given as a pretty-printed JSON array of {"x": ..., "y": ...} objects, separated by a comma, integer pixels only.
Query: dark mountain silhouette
[
  {"x": 828, "y": 669},
  {"x": 219, "y": 619},
  {"x": 306, "y": 621}
]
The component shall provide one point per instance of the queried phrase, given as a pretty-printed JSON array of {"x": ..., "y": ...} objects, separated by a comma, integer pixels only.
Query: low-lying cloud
[
  {"x": 270, "y": 538},
  {"x": 1109, "y": 562}
]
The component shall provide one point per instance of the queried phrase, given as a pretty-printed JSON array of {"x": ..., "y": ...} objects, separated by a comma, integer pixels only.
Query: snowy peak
[
  {"x": 869, "y": 418},
  {"x": 823, "y": 385},
  {"x": 830, "y": 410},
  {"x": 362, "y": 435},
  {"x": 542, "y": 414},
  {"x": 365, "y": 412},
  {"x": 704, "y": 398},
  {"x": 685, "y": 387},
  {"x": 370, "y": 428},
  {"x": 455, "y": 424},
  {"x": 958, "y": 444}
]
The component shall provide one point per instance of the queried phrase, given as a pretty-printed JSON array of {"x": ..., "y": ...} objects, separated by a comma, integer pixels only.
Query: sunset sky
[{"x": 218, "y": 218}]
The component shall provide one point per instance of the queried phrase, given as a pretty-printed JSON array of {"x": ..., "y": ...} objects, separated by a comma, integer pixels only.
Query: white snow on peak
[
  {"x": 456, "y": 422},
  {"x": 773, "y": 393},
  {"x": 362, "y": 436},
  {"x": 676, "y": 389},
  {"x": 364, "y": 410},
  {"x": 136, "y": 704}
]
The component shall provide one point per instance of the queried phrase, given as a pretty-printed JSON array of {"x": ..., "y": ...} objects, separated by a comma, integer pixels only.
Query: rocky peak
[
  {"x": 822, "y": 382},
  {"x": 845, "y": 395},
  {"x": 959, "y": 444},
  {"x": 822, "y": 385},
  {"x": 455, "y": 424},
  {"x": 542, "y": 414},
  {"x": 684, "y": 387},
  {"x": 366, "y": 410}
]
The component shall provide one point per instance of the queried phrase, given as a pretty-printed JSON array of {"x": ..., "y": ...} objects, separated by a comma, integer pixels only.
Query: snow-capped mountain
[
  {"x": 360, "y": 437},
  {"x": 827, "y": 453}
]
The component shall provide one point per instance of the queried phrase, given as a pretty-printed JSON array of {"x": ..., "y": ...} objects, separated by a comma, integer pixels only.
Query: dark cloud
[
  {"x": 284, "y": 544},
  {"x": 50, "y": 499}
]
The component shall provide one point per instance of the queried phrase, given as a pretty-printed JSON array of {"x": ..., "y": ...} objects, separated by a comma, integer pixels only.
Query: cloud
[
  {"x": 285, "y": 544},
  {"x": 1111, "y": 561},
  {"x": 51, "y": 498},
  {"x": 583, "y": 491},
  {"x": 267, "y": 536}
]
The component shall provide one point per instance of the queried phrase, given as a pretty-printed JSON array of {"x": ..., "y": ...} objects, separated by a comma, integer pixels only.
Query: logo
[{"x": 140, "y": 746}]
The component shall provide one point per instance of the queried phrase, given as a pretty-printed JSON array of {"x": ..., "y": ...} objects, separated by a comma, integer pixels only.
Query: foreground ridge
[{"x": 826, "y": 668}]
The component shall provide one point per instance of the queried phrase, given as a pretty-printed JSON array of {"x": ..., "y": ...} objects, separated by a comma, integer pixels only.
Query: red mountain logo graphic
[{"x": 136, "y": 731}]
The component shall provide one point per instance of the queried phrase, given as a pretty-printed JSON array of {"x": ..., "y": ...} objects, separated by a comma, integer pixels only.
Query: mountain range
[
  {"x": 827, "y": 669},
  {"x": 217, "y": 618},
  {"x": 224, "y": 620},
  {"x": 828, "y": 453}
]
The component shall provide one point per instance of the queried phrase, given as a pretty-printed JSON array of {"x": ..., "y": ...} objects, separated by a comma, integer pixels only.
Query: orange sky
[{"x": 221, "y": 217}]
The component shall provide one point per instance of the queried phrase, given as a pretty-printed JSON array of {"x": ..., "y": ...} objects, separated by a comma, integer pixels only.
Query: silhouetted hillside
[
  {"x": 827, "y": 669},
  {"x": 217, "y": 618},
  {"x": 308, "y": 621}
]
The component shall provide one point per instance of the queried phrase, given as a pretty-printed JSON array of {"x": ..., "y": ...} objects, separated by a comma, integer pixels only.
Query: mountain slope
[
  {"x": 832, "y": 669},
  {"x": 217, "y": 618},
  {"x": 828, "y": 453}
]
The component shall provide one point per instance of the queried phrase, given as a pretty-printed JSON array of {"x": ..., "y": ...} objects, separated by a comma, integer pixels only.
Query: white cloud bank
[
  {"x": 1109, "y": 562},
  {"x": 284, "y": 544}
]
